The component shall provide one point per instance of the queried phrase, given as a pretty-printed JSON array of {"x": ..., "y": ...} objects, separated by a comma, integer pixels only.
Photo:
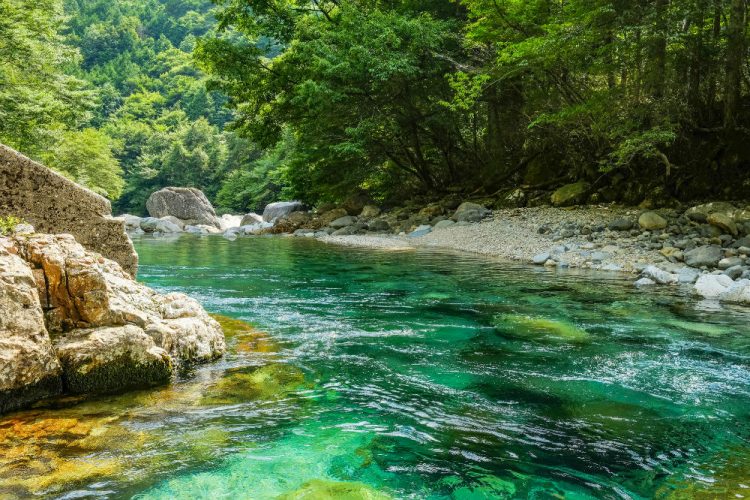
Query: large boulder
[
  {"x": 723, "y": 221},
  {"x": 189, "y": 205},
  {"x": 700, "y": 213},
  {"x": 345, "y": 221},
  {"x": 109, "y": 332},
  {"x": 29, "y": 369},
  {"x": 275, "y": 211},
  {"x": 570, "y": 194},
  {"x": 355, "y": 203}
]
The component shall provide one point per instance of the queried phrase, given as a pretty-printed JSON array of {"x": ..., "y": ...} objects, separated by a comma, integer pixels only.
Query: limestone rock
[
  {"x": 660, "y": 276},
  {"x": 711, "y": 286},
  {"x": 737, "y": 292},
  {"x": 570, "y": 194},
  {"x": 29, "y": 369},
  {"x": 189, "y": 205},
  {"x": 54, "y": 204},
  {"x": 275, "y": 211},
  {"x": 651, "y": 221}
]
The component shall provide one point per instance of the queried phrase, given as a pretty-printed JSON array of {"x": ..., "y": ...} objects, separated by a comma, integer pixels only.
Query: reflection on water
[{"x": 409, "y": 375}]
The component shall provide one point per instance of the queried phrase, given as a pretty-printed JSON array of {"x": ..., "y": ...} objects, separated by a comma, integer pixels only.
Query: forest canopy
[{"x": 252, "y": 100}]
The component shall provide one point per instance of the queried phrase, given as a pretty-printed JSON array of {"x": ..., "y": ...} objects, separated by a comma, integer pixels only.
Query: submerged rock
[
  {"x": 541, "y": 328},
  {"x": 319, "y": 489}
]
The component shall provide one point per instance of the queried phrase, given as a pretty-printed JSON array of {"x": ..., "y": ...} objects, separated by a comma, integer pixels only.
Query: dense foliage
[
  {"x": 429, "y": 95},
  {"x": 318, "y": 100}
]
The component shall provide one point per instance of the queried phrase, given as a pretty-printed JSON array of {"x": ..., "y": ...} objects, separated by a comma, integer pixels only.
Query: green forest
[{"x": 254, "y": 100}]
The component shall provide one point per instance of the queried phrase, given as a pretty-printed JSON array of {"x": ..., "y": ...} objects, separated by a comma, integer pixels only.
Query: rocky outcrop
[
  {"x": 189, "y": 205},
  {"x": 54, "y": 204},
  {"x": 77, "y": 317},
  {"x": 275, "y": 211},
  {"x": 29, "y": 369}
]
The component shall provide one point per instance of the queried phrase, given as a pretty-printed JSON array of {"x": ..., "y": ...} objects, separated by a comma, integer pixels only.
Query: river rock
[
  {"x": 644, "y": 282},
  {"x": 700, "y": 213},
  {"x": 444, "y": 224},
  {"x": 369, "y": 212},
  {"x": 735, "y": 272},
  {"x": 728, "y": 262},
  {"x": 355, "y": 203},
  {"x": 342, "y": 222},
  {"x": 660, "y": 276},
  {"x": 251, "y": 218},
  {"x": 470, "y": 212},
  {"x": 711, "y": 286},
  {"x": 279, "y": 209},
  {"x": 378, "y": 225},
  {"x": 723, "y": 222},
  {"x": 291, "y": 222},
  {"x": 707, "y": 255},
  {"x": 651, "y": 221},
  {"x": 174, "y": 220},
  {"x": 540, "y": 259},
  {"x": 621, "y": 224},
  {"x": 737, "y": 292},
  {"x": 570, "y": 194},
  {"x": 29, "y": 369},
  {"x": 187, "y": 204},
  {"x": 154, "y": 225},
  {"x": 132, "y": 222},
  {"x": 688, "y": 275}
]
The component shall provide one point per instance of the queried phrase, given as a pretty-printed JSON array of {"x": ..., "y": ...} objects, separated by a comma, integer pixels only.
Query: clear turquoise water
[{"x": 437, "y": 375}]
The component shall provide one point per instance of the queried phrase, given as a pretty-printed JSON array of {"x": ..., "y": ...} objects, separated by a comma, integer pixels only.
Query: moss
[
  {"x": 243, "y": 337},
  {"x": 116, "y": 376},
  {"x": 25, "y": 396},
  {"x": 319, "y": 489},
  {"x": 543, "y": 329},
  {"x": 268, "y": 382}
]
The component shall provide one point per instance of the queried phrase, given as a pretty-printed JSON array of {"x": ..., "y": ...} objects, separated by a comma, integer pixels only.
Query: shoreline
[{"x": 513, "y": 235}]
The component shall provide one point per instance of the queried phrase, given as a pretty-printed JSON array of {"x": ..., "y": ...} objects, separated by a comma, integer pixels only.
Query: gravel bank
[{"x": 514, "y": 234}]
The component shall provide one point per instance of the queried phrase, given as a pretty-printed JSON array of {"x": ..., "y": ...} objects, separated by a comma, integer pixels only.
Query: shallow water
[{"x": 410, "y": 375}]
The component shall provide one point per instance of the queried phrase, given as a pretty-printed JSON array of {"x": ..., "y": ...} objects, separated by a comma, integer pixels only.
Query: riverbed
[{"x": 357, "y": 373}]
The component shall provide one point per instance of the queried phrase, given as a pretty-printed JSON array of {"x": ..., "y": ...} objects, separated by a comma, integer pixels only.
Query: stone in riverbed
[
  {"x": 540, "y": 259},
  {"x": 737, "y": 292},
  {"x": 621, "y": 224},
  {"x": 660, "y": 276},
  {"x": 700, "y": 213},
  {"x": 707, "y": 255},
  {"x": 570, "y": 194},
  {"x": 735, "y": 272},
  {"x": 189, "y": 205},
  {"x": 651, "y": 221},
  {"x": 723, "y": 222},
  {"x": 644, "y": 282},
  {"x": 378, "y": 225},
  {"x": 154, "y": 225},
  {"x": 711, "y": 286},
  {"x": 342, "y": 222},
  {"x": 274, "y": 211},
  {"x": 728, "y": 262},
  {"x": 444, "y": 224},
  {"x": 470, "y": 212},
  {"x": 421, "y": 231},
  {"x": 369, "y": 212},
  {"x": 251, "y": 218}
]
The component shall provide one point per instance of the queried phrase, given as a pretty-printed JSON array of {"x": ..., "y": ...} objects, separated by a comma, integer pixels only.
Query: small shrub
[{"x": 7, "y": 224}]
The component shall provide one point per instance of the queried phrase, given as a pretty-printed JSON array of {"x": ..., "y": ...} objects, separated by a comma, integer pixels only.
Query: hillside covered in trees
[{"x": 250, "y": 100}]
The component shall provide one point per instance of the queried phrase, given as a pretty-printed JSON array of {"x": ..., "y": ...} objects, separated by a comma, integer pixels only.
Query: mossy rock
[
  {"x": 542, "y": 329},
  {"x": 570, "y": 194},
  {"x": 246, "y": 384},
  {"x": 244, "y": 337},
  {"x": 319, "y": 489}
]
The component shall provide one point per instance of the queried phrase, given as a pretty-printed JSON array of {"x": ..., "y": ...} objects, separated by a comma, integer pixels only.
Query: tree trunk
[{"x": 734, "y": 60}]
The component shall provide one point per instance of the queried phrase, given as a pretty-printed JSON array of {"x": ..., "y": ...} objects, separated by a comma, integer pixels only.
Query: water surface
[{"x": 411, "y": 375}]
